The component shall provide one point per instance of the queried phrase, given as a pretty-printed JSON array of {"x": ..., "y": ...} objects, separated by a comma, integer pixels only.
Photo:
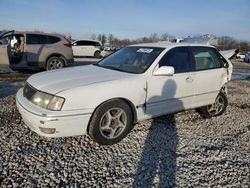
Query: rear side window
[
  {"x": 206, "y": 58},
  {"x": 80, "y": 43},
  {"x": 95, "y": 43},
  {"x": 86, "y": 43},
  {"x": 179, "y": 58},
  {"x": 36, "y": 39},
  {"x": 52, "y": 39}
]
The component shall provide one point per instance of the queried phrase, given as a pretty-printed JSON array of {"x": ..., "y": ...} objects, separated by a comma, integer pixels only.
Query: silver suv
[{"x": 33, "y": 50}]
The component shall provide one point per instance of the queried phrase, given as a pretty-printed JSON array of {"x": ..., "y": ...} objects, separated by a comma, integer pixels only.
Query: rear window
[
  {"x": 86, "y": 43},
  {"x": 95, "y": 43},
  {"x": 36, "y": 39},
  {"x": 206, "y": 58},
  {"x": 41, "y": 39}
]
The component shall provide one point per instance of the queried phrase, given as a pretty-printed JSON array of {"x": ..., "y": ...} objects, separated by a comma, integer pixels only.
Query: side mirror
[{"x": 164, "y": 71}]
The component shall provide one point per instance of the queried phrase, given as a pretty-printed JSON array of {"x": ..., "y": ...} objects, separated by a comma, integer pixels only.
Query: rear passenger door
[
  {"x": 78, "y": 48},
  {"x": 209, "y": 75},
  {"x": 35, "y": 44}
]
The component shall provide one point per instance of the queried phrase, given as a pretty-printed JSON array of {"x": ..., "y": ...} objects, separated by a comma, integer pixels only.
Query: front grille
[{"x": 28, "y": 91}]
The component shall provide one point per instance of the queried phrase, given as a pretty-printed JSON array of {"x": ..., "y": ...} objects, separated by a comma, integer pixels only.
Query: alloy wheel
[{"x": 113, "y": 123}]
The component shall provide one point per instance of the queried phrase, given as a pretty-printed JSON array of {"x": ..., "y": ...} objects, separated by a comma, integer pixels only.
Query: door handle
[{"x": 189, "y": 79}]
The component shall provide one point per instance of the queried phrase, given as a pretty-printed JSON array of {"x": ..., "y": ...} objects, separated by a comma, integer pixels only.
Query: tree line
[{"x": 224, "y": 42}]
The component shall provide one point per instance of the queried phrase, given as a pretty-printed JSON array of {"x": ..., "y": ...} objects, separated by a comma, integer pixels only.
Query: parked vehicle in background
[
  {"x": 247, "y": 57},
  {"x": 240, "y": 56},
  {"x": 109, "y": 49},
  {"x": 32, "y": 50},
  {"x": 89, "y": 48},
  {"x": 133, "y": 84}
]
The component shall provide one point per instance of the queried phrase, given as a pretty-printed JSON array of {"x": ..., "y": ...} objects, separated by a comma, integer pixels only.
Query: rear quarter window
[{"x": 52, "y": 39}]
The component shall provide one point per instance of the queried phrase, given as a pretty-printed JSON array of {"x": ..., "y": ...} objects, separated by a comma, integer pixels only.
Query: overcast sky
[{"x": 129, "y": 18}]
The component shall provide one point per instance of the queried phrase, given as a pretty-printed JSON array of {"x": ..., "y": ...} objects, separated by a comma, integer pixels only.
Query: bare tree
[
  {"x": 110, "y": 38},
  {"x": 103, "y": 39},
  {"x": 93, "y": 36},
  {"x": 99, "y": 37},
  {"x": 167, "y": 37}
]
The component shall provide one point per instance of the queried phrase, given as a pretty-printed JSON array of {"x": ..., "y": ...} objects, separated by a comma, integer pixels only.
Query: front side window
[
  {"x": 205, "y": 58},
  {"x": 133, "y": 59},
  {"x": 179, "y": 58},
  {"x": 36, "y": 39}
]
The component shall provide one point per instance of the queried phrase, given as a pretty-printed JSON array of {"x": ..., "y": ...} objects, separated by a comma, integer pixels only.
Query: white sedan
[{"x": 138, "y": 82}]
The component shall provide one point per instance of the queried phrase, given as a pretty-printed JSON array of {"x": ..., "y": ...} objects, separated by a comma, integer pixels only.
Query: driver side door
[
  {"x": 171, "y": 93},
  {"x": 5, "y": 48}
]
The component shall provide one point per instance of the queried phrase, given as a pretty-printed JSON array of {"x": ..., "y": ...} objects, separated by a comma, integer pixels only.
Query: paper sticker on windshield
[{"x": 145, "y": 50}]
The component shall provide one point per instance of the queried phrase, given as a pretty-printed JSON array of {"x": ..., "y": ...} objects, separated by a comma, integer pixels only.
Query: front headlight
[
  {"x": 41, "y": 99},
  {"x": 56, "y": 103},
  {"x": 48, "y": 101}
]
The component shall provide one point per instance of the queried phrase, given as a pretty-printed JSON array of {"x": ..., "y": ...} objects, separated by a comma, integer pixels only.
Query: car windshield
[{"x": 131, "y": 59}]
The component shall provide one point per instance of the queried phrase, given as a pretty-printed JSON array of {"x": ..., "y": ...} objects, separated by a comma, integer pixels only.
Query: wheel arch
[
  {"x": 224, "y": 89},
  {"x": 54, "y": 55},
  {"x": 130, "y": 104}
]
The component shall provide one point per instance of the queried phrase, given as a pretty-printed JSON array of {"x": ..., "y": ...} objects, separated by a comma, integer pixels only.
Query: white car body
[
  {"x": 86, "y": 47},
  {"x": 240, "y": 56},
  {"x": 87, "y": 87}
]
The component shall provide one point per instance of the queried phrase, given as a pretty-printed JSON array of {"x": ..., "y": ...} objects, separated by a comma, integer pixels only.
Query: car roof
[
  {"x": 88, "y": 40},
  {"x": 170, "y": 45},
  {"x": 38, "y": 33}
]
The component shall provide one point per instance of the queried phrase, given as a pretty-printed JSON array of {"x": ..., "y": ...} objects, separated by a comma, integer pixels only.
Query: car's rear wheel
[
  {"x": 55, "y": 63},
  {"x": 111, "y": 122},
  {"x": 216, "y": 109},
  {"x": 97, "y": 54}
]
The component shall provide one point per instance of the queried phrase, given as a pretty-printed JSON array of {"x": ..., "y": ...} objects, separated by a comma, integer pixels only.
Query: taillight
[{"x": 68, "y": 44}]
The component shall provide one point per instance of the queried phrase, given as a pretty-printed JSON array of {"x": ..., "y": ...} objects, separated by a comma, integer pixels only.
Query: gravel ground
[{"x": 181, "y": 150}]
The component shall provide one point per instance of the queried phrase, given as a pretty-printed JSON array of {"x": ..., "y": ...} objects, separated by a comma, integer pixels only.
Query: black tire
[
  {"x": 55, "y": 63},
  {"x": 104, "y": 122},
  {"x": 216, "y": 109},
  {"x": 97, "y": 54}
]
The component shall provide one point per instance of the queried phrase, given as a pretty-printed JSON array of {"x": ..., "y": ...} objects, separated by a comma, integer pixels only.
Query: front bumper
[{"x": 71, "y": 123}]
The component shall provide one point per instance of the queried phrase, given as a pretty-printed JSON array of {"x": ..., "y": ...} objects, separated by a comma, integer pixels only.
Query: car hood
[{"x": 60, "y": 80}]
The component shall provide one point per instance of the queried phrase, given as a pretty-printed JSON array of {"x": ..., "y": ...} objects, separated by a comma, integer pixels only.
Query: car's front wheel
[
  {"x": 215, "y": 109},
  {"x": 111, "y": 122},
  {"x": 97, "y": 54},
  {"x": 55, "y": 63}
]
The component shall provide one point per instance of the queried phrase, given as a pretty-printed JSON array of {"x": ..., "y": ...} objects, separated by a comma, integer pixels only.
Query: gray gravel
[{"x": 181, "y": 150}]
